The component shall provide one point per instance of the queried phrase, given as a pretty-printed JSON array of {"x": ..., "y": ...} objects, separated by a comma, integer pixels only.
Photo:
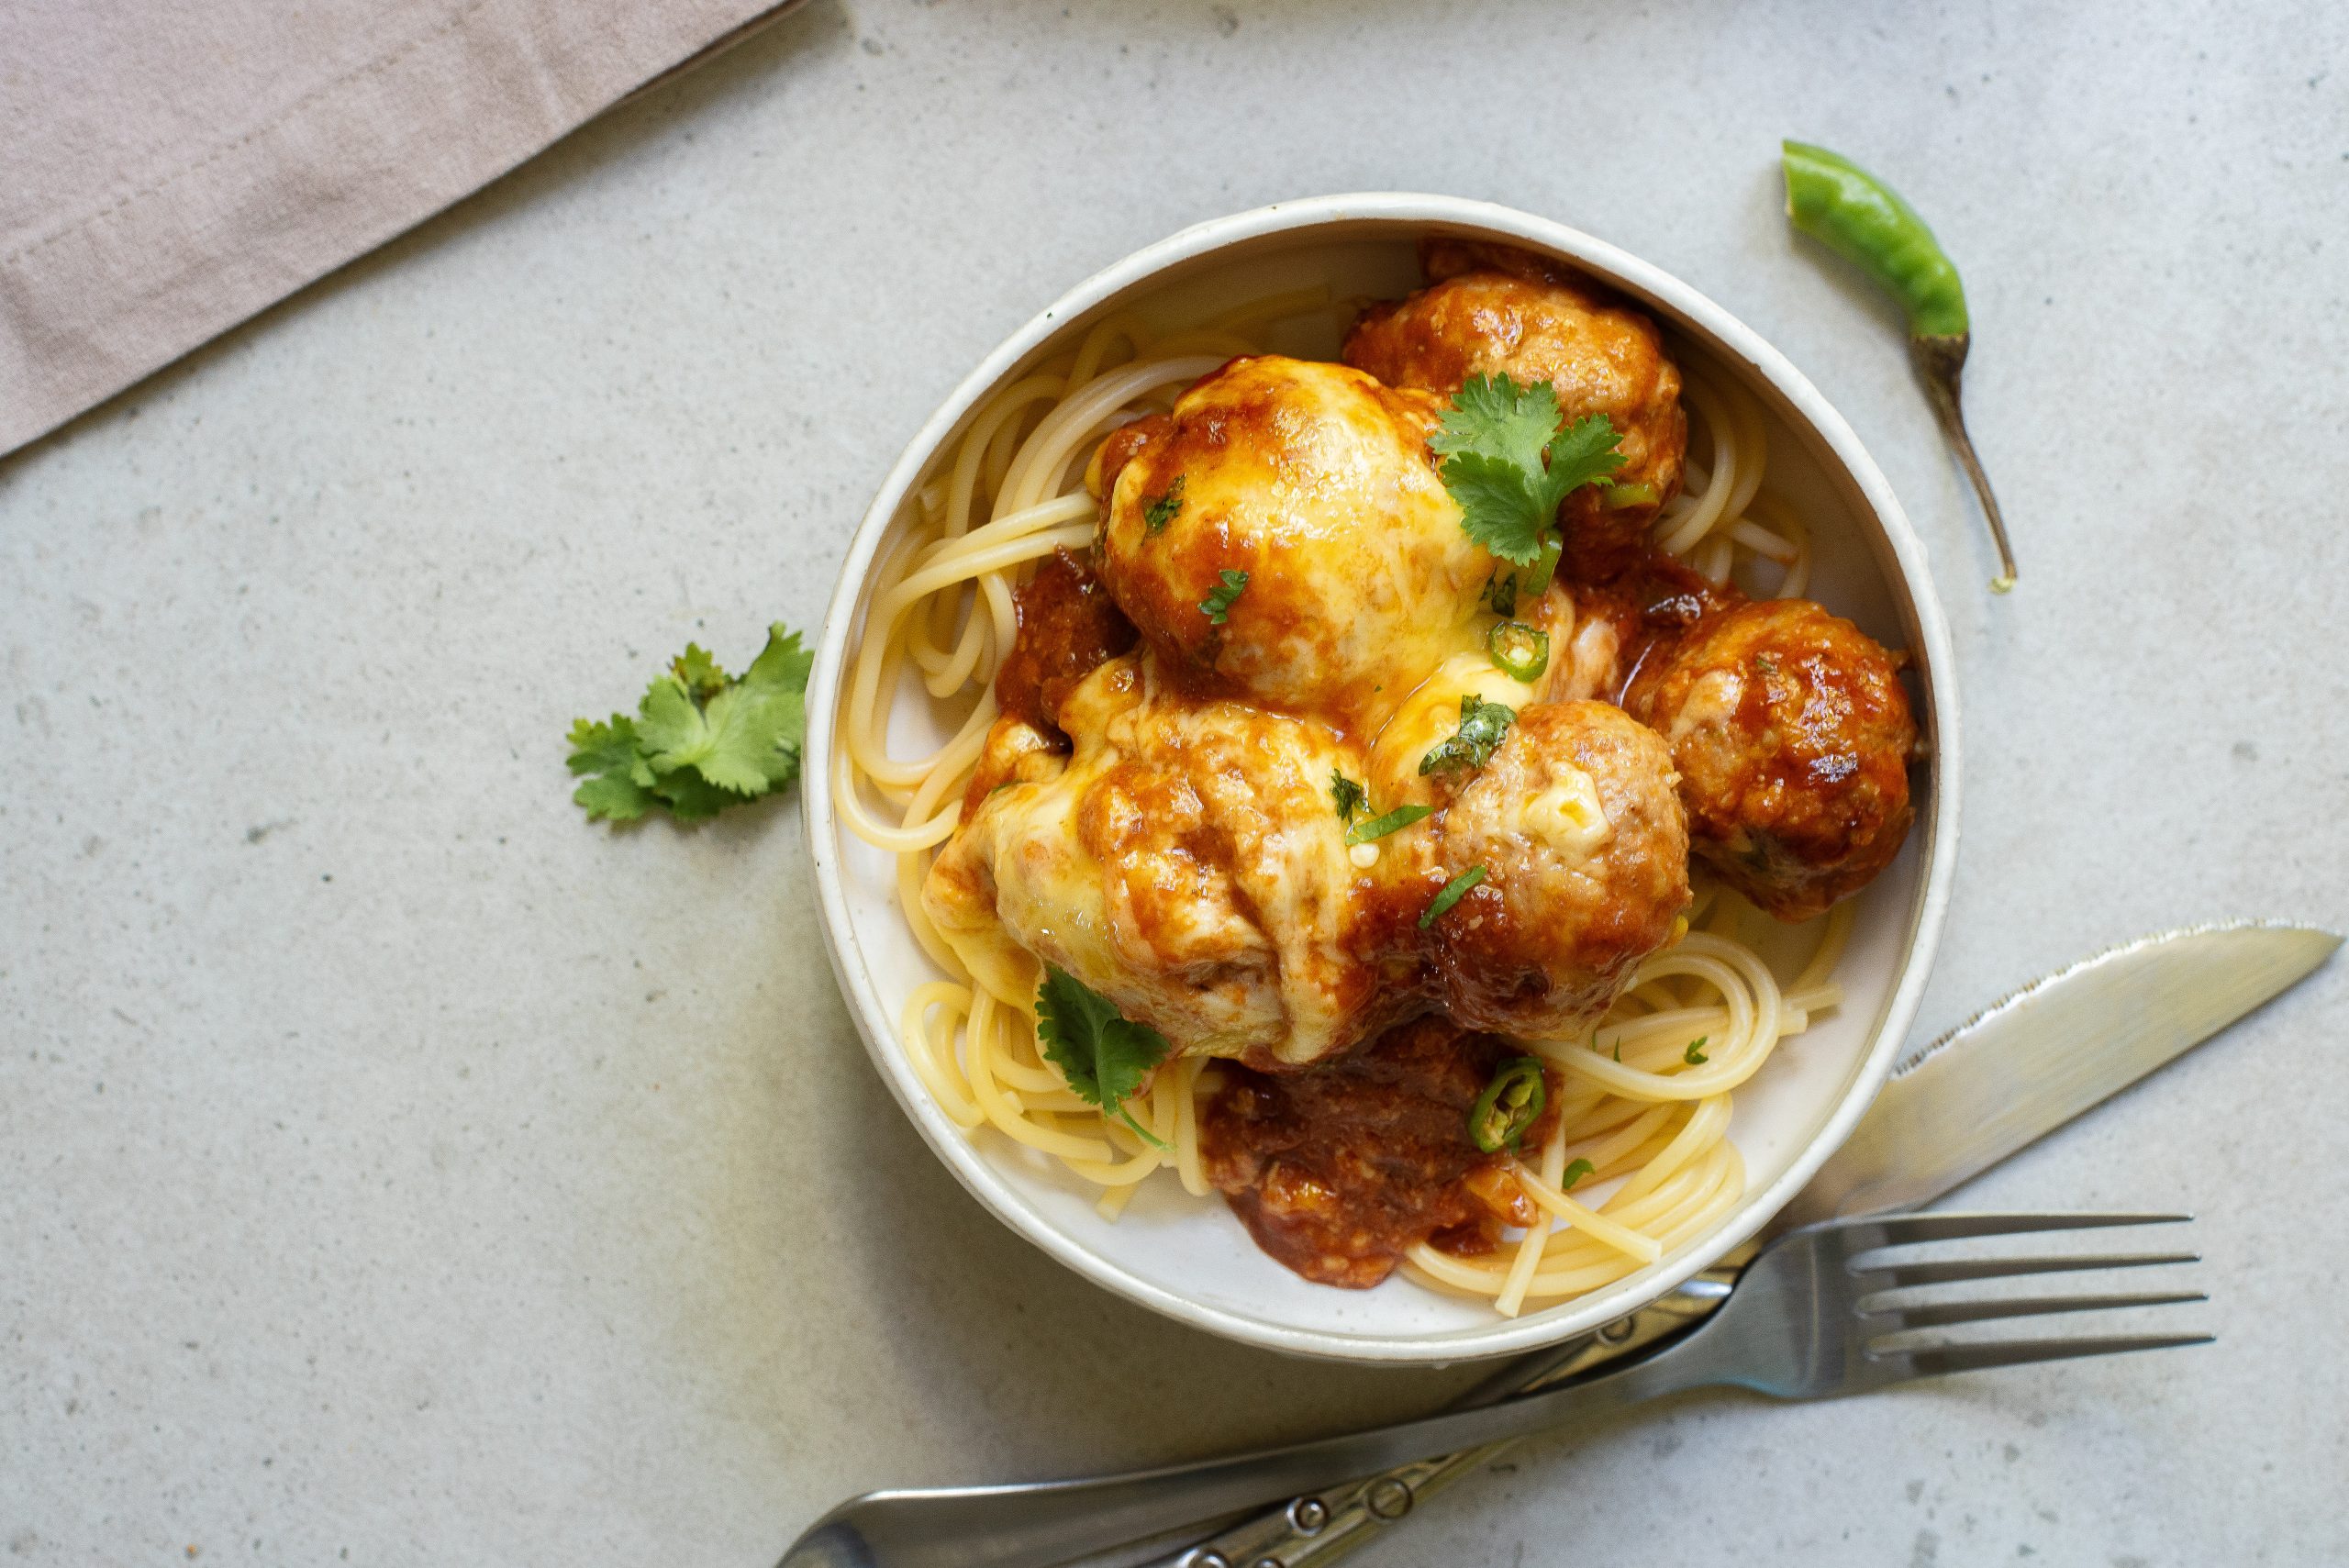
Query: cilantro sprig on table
[
  {"x": 701, "y": 740},
  {"x": 1507, "y": 465},
  {"x": 1103, "y": 1055}
]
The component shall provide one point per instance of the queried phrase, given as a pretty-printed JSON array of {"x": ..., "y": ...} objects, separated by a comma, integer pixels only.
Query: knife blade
[
  {"x": 2002, "y": 1080},
  {"x": 2024, "y": 1066}
]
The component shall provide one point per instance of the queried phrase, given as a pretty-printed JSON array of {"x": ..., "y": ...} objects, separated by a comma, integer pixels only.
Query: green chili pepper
[
  {"x": 1510, "y": 1105},
  {"x": 1574, "y": 1173},
  {"x": 1864, "y": 220},
  {"x": 1518, "y": 650},
  {"x": 1454, "y": 892},
  {"x": 1379, "y": 826},
  {"x": 1615, "y": 497}
]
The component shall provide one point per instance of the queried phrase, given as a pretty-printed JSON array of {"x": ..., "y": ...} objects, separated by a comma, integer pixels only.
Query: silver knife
[{"x": 2007, "y": 1077}]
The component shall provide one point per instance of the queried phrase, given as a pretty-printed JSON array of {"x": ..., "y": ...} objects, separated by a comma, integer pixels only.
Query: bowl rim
[{"x": 876, "y": 1021}]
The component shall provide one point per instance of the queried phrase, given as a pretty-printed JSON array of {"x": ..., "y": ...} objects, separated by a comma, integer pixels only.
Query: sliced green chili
[
  {"x": 1379, "y": 826},
  {"x": 1615, "y": 497},
  {"x": 1520, "y": 652},
  {"x": 1454, "y": 892},
  {"x": 1574, "y": 1173},
  {"x": 1864, "y": 220},
  {"x": 1510, "y": 1105},
  {"x": 1538, "y": 575}
]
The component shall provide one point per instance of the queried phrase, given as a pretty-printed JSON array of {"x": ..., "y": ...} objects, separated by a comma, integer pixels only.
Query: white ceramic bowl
[{"x": 1190, "y": 1259}]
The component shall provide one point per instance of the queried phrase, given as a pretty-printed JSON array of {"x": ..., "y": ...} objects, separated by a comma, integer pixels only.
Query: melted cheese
[
  {"x": 1429, "y": 716},
  {"x": 1186, "y": 863}
]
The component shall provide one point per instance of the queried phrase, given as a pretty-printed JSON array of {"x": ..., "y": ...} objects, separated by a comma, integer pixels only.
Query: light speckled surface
[{"x": 391, "y": 1168}]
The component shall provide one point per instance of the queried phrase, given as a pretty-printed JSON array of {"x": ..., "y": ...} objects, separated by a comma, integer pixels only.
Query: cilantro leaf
[
  {"x": 1162, "y": 508},
  {"x": 1695, "y": 1055},
  {"x": 1585, "y": 454},
  {"x": 698, "y": 673},
  {"x": 701, "y": 740},
  {"x": 1493, "y": 442},
  {"x": 1103, "y": 1055},
  {"x": 1348, "y": 795},
  {"x": 1217, "y": 605},
  {"x": 1482, "y": 725},
  {"x": 1492, "y": 414}
]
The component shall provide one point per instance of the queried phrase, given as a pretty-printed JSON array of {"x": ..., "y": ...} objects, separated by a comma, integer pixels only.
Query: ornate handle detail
[{"x": 1313, "y": 1531}]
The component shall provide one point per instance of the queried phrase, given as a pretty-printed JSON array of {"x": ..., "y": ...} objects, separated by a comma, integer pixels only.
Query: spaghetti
[{"x": 1644, "y": 1105}]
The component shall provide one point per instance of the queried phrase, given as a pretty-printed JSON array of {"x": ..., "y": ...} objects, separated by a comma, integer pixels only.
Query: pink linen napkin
[{"x": 167, "y": 169}]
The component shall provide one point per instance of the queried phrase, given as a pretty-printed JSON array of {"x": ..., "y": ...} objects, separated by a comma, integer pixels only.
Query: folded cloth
[{"x": 167, "y": 171}]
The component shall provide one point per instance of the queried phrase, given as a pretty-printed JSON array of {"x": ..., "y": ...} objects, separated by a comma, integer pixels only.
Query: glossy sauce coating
[
  {"x": 1793, "y": 736},
  {"x": 1338, "y": 1171},
  {"x": 1069, "y": 626}
]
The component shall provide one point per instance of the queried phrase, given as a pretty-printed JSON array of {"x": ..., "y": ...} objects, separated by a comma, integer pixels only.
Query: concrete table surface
[{"x": 394, "y": 1169}]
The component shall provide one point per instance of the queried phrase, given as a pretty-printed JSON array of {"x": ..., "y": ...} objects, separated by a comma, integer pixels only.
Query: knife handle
[{"x": 1313, "y": 1531}]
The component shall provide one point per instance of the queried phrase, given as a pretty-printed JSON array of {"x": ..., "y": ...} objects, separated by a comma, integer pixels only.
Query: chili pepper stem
[{"x": 1939, "y": 361}]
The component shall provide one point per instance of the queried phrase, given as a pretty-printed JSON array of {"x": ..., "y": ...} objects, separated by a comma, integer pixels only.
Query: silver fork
[{"x": 1806, "y": 1320}]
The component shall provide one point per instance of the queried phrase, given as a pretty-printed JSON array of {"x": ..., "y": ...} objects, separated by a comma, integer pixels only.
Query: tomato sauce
[
  {"x": 1068, "y": 627},
  {"x": 1339, "y": 1169}
]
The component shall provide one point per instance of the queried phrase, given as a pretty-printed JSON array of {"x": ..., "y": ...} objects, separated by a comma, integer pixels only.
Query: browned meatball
[
  {"x": 1492, "y": 311},
  {"x": 1586, "y": 857},
  {"x": 1793, "y": 737}
]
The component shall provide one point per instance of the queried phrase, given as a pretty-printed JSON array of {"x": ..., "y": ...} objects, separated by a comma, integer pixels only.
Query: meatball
[
  {"x": 1185, "y": 862},
  {"x": 1584, "y": 849},
  {"x": 1282, "y": 536},
  {"x": 1495, "y": 311},
  {"x": 1793, "y": 737}
]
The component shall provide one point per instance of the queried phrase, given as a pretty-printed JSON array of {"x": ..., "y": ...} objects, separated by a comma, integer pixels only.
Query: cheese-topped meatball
[
  {"x": 1314, "y": 483},
  {"x": 1495, "y": 311},
  {"x": 1793, "y": 737},
  {"x": 1586, "y": 855},
  {"x": 1185, "y": 860}
]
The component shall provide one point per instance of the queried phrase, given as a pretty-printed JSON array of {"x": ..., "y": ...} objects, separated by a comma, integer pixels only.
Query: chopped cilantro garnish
[
  {"x": 1102, "y": 1053},
  {"x": 1379, "y": 826},
  {"x": 1454, "y": 892},
  {"x": 1482, "y": 725},
  {"x": 1218, "y": 604},
  {"x": 1162, "y": 508},
  {"x": 1494, "y": 442},
  {"x": 1348, "y": 795},
  {"x": 1695, "y": 1055},
  {"x": 701, "y": 740},
  {"x": 1500, "y": 593}
]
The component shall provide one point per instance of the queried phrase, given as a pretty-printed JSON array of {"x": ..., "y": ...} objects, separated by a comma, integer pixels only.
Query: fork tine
[
  {"x": 1941, "y": 1316},
  {"x": 1942, "y": 1358},
  {"x": 1899, "y": 1230},
  {"x": 1898, "y": 1276}
]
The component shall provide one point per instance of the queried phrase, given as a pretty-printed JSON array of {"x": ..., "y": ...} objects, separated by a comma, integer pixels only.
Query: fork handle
[
  {"x": 1316, "y": 1531},
  {"x": 1035, "y": 1526}
]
